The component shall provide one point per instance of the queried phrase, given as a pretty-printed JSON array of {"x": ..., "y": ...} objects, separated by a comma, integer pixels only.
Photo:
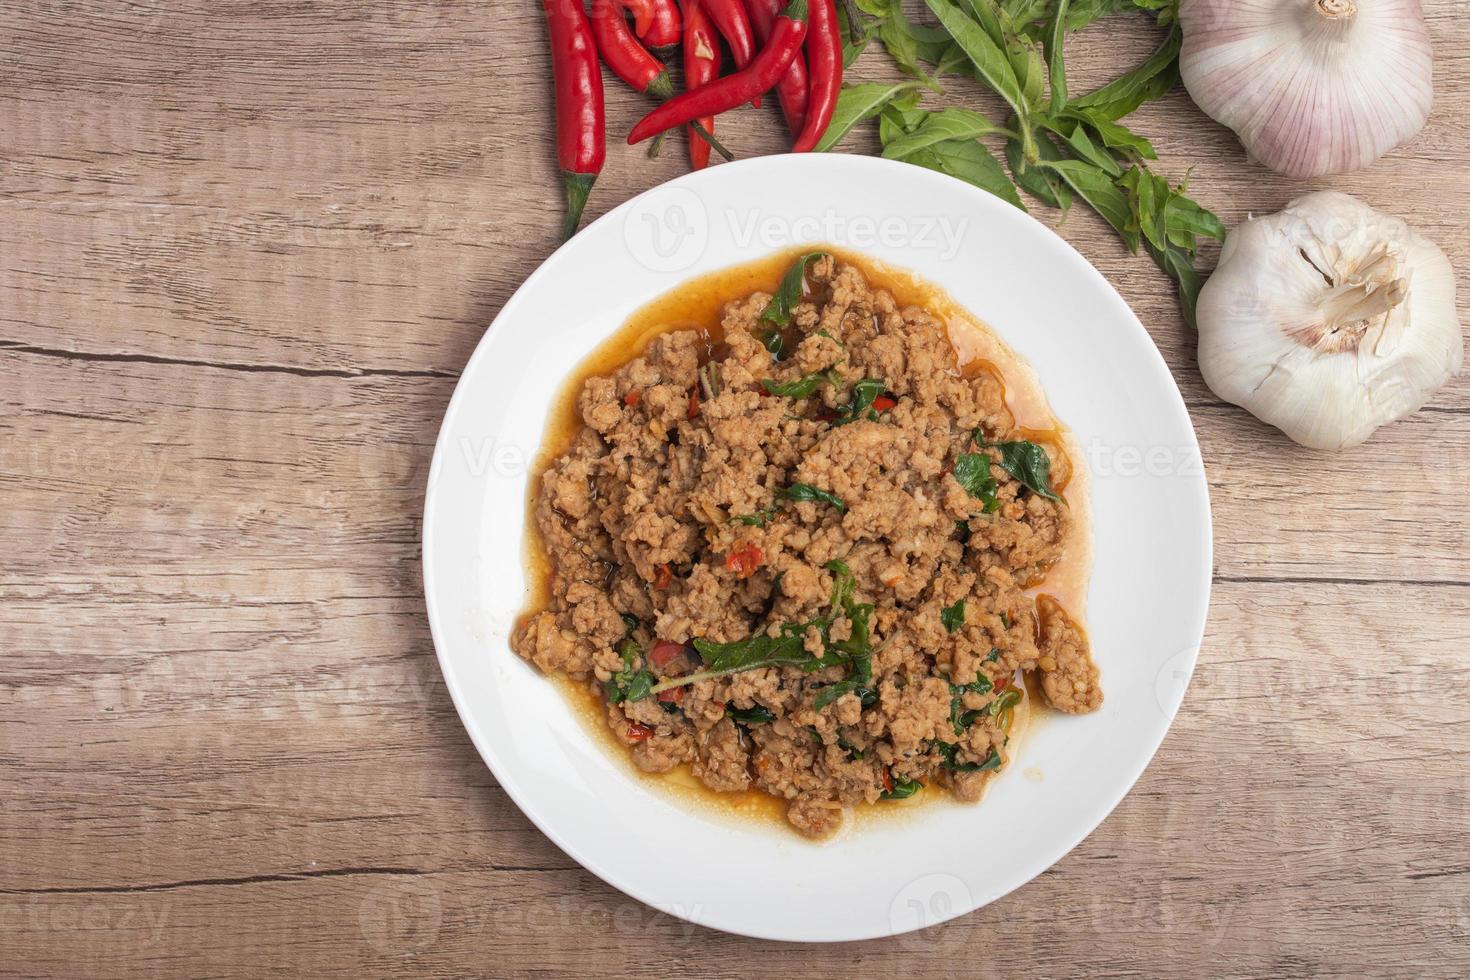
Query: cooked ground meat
[{"x": 819, "y": 591}]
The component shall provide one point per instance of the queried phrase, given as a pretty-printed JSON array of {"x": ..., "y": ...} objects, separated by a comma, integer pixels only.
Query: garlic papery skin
[
  {"x": 1328, "y": 320},
  {"x": 1311, "y": 87}
]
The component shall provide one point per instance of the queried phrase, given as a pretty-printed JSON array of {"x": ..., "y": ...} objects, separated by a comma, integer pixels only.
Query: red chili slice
[
  {"x": 663, "y": 576},
  {"x": 1002, "y": 682},
  {"x": 693, "y": 404},
  {"x": 664, "y": 651},
  {"x": 884, "y": 402},
  {"x": 638, "y": 733},
  {"x": 887, "y": 781},
  {"x": 634, "y": 397},
  {"x": 670, "y": 696},
  {"x": 744, "y": 560}
]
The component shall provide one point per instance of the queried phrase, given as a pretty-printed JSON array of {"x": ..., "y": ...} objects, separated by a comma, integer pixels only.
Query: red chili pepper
[
  {"x": 728, "y": 92},
  {"x": 663, "y": 576},
  {"x": 744, "y": 560},
  {"x": 671, "y": 695},
  {"x": 887, "y": 780},
  {"x": 580, "y": 124},
  {"x": 642, "y": 11},
  {"x": 701, "y": 66},
  {"x": 638, "y": 733},
  {"x": 694, "y": 395},
  {"x": 791, "y": 89},
  {"x": 635, "y": 396},
  {"x": 884, "y": 402},
  {"x": 734, "y": 26},
  {"x": 664, "y": 652},
  {"x": 628, "y": 59},
  {"x": 1002, "y": 682},
  {"x": 663, "y": 29},
  {"x": 824, "y": 59}
]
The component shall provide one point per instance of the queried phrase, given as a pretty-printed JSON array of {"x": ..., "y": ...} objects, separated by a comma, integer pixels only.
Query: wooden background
[{"x": 245, "y": 248}]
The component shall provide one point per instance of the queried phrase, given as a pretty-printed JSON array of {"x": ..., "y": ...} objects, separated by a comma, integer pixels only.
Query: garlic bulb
[
  {"x": 1328, "y": 320},
  {"x": 1310, "y": 86}
]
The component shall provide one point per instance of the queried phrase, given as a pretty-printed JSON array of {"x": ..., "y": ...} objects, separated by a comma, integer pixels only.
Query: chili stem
[
  {"x": 854, "y": 20},
  {"x": 708, "y": 137}
]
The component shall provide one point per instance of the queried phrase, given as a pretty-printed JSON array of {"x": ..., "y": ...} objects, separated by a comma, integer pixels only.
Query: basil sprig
[
  {"x": 787, "y": 646},
  {"x": 1059, "y": 146}
]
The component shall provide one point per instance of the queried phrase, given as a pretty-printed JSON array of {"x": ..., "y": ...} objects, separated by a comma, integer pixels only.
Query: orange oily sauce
[{"x": 696, "y": 305}]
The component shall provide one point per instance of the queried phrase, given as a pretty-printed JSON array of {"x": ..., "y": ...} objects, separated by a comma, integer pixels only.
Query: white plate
[{"x": 1146, "y": 607}]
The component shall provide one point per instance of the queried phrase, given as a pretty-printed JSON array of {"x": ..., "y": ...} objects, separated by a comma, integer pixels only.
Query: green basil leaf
[
  {"x": 757, "y": 715},
  {"x": 629, "y": 683},
  {"x": 1147, "y": 195},
  {"x": 989, "y": 60},
  {"x": 987, "y": 15},
  {"x": 1028, "y": 463},
  {"x": 806, "y": 492},
  {"x": 1085, "y": 149},
  {"x": 897, "y": 35},
  {"x": 1114, "y": 134},
  {"x": 970, "y": 161},
  {"x": 802, "y": 387},
  {"x": 972, "y": 471},
  {"x": 953, "y": 617},
  {"x": 1098, "y": 190},
  {"x": 844, "y": 583},
  {"x": 898, "y": 119},
  {"x": 829, "y": 694},
  {"x": 1180, "y": 267},
  {"x": 1182, "y": 213},
  {"x": 1055, "y": 44},
  {"x": 947, "y": 124},
  {"x": 857, "y": 647},
  {"x": 860, "y": 406},
  {"x": 954, "y": 61},
  {"x": 789, "y": 293},
  {"x": 754, "y": 652},
  {"x": 902, "y": 789},
  {"x": 1042, "y": 184},
  {"x": 758, "y": 519},
  {"x": 1004, "y": 702},
  {"x": 958, "y": 716},
  {"x": 856, "y": 103},
  {"x": 1133, "y": 88},
  {"x": 992, "y": 760},
  {"x": 1154, "y": 88}
]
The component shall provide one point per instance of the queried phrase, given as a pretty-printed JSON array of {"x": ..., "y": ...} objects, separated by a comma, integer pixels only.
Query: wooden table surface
[{"x": 246, "y": 246}]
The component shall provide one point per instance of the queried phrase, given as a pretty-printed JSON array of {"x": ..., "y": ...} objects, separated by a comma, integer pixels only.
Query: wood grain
[{"x": 245, "y": 248}]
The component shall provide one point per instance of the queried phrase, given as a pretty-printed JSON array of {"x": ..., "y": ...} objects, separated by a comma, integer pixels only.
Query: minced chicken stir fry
[{"x": 795, "y": 560}]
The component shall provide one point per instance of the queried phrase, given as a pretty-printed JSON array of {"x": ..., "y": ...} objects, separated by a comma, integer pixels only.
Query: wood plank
[{"x": 342, "y": 821}]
